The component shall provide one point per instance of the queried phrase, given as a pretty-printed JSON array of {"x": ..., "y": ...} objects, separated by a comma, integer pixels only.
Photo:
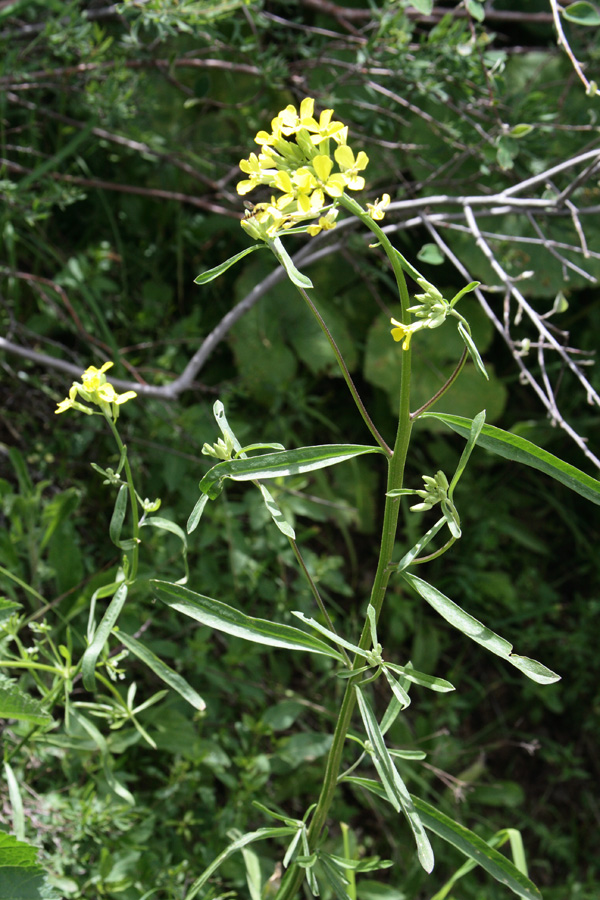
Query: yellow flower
[
  {"x": 325, "y": 223},
  {"x": 377, "y": 210},
  {"x": 289, "y": 122},
  {"x": 92, "y": 378},
  {"x": 257, "y": 167},
  {"x": 403, "y": 333},
  {"x": 351, "y": 166},
  {"x": 94, "y": 388},
  {"x": 333, "y": 184},
  {"x": 326, "y": 128}
]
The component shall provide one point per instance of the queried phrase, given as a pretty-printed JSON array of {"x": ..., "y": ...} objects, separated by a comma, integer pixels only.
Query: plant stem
[
  {"x": 347, "y": 377},
  {"x": 131, "y": 576},
  {"x": 443, "y": 388},
  {"x": 315, "y": 592},
  {"x": 292, "y": 881}
]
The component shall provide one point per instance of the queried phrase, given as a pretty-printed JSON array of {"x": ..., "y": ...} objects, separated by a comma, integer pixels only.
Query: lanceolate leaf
[
  {"x": 394, "y": 787},
  {"x": 469, "y": 843},
  {"x": 210, "y": 274},
  {"x": 116, "y": 522},
  {"x": 516, "y": 448},
  {"x": 274, "y": 465},
  {"x": 196, "y": 513},
  {"x": 428, "y": 681},
  {"x": 164, "y": 672},
  {"x": 295, "y": 276},
  {"x": 478, "y": 632},
  {"x": 276, "y": 514},
  {"x": 109, "y": 620},
  {"x": 473, "y": 351},
  {"x": 225, "y": 618},
  {"x": 335, "y": 638}
]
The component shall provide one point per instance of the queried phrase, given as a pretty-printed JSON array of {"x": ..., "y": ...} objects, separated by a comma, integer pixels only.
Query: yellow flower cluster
[
  {"x": 295, "y": 159},
  {"x": 94, "y": 388}
]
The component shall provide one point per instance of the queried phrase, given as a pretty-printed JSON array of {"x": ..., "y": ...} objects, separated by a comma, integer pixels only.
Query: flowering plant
[{"x": 308, "y": 166}]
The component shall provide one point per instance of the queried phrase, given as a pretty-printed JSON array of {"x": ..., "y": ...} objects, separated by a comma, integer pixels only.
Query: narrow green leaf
[
  {"x": 392, "y": 712},
  {"x": 428, "y": 681},
  {"x": 196, "y": 513},
  {"x": 478, "y": 632},
  {"x": 15, "y": 704},
  {"x": 337, "y": 882},
  {"x": 393, "y": 785},
  {"x": 469, "y": 843},
  {"x": 476, "y": 426},
  {"x": 250, "y": 837},
  {"x": 582, "y": 13},
  {"x": 275, "y": 465},
  {"x": 210, "y": 274},
  {"x": 160, "y": 668},
  {"x": 515, "y": 448},
  {"x": 473, "y": 351},
  {"x": 398, "y": 691},
  {"x": 250, "y": 448},
  {"x": 276, "y": 514},
  {"x": 466, "y": 290},
  {"x": 408, "y": 754},
  {"x": 497, "y": 840},
  {"x": 108, "y": 622},
  {"x": 415, "y": 551},
  {"x": 16, "y": 803},
  {"x": 221, "y": 617},
  {"x": 221, "y": 419},
  {"x": 118, "y": 789},
  {"x": 118, "y": 516},
  {"x": 296, "y": 277},
  {"x": 333, "y": 637}
]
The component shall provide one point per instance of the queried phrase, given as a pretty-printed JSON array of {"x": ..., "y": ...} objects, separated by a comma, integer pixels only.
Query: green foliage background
[{"x": 121, "y": 130}]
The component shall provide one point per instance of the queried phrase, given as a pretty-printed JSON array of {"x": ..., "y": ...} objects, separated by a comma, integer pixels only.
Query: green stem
[
  {"x": 340, "y": 359},
  {"x": 346, "y": 374},
  {"x": 425, "y": 559},
  {"x": 29, "y": 664},
  {"x": 132, "y": 501},
  {"x": 293, "y": 879},
  {"x": 444, "y": 387},
  {"x": 315, "y": 593}
]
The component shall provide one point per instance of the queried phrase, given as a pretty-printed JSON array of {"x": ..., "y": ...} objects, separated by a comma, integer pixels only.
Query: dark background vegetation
[{"x": 121, "y": 129}]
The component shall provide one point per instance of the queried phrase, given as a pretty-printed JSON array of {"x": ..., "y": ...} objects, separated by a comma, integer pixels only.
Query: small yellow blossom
[
  {"x": 404, "y": 333},
  {"x": 333, "y": 184},
  {"x": 351, "y": 167},
  {"x": 325, "y": 223},
  {"x": 377, "y": 210},
  {"x": 94, "y": 388}
]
